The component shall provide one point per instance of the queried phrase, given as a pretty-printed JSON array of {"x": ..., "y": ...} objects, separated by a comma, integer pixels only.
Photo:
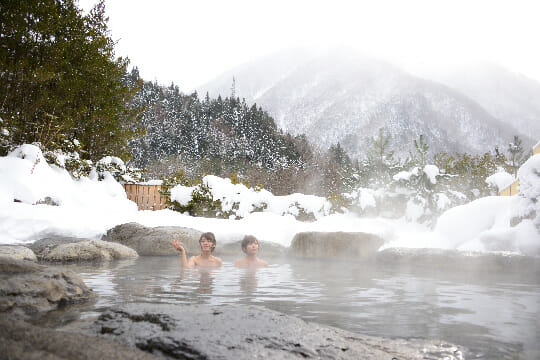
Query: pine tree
[
  {"x": 421, "y": 151},
  {"x": 59, "y": 79},
  {"x": 380, "y": 158},
  {"x": 515, "y": 157}
]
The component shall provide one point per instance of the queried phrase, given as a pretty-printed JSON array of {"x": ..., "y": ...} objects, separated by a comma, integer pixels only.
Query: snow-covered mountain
[
  {"x": 510, "y": 97},
  {"x": 341, "y": 96}
]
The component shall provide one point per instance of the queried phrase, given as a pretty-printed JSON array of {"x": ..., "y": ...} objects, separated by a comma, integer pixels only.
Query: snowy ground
[{"x": 88, "y": 208}]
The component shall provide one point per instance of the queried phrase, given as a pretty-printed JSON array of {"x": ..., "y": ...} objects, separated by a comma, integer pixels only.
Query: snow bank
[
  {"x": 431, "y": 172},
  {"x": 457, "y": 228},
  {"x": 501, "y": 180},
  {"x": 242, "y": 201},
  {"x": 363, "y": 197},
  {"x": 486, "y": 224},
  {"x": 87, "y": 207},
  {"x": 529, "y": 190}
]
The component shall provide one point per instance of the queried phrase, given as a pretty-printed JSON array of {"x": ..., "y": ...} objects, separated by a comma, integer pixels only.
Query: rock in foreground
[
  {"x": 27, "y": 288},
  {"x": 249, "y": 332},
  {"x": 154, "y": 241},
  {"x": 335, "y": 244},
  {"x": 20, "y": 340}
]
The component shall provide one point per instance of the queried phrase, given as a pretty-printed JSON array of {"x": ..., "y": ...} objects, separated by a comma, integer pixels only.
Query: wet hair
[
  {"x": 209, "y": 236},
  {"x": 249, "y": 239}
]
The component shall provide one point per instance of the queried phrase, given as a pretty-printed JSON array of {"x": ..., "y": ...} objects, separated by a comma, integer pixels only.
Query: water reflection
[
  {"x": 494, "y": 315},
  {"x": 205, "y": 282},
  {"x": 248, "y": 281}
]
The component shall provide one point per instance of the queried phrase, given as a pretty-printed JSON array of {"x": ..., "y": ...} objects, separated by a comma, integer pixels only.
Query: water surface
[{"x": 494, "y": 315}]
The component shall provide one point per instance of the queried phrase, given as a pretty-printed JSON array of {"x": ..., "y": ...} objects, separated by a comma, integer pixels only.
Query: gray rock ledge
[
  {"x": 323, "y": 245},
  {"x": 249, "y": 332},
  {"x": 28, "y": 289},
  {"x": 21, "y": 340},
  {"x": 18, "y": 252},
  {"x": 154, "y": 241},
  {"x": 68, "y": 250}
]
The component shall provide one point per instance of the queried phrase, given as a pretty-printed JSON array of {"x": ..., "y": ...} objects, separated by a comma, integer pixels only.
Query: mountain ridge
[{"x": 345, "y": 97}]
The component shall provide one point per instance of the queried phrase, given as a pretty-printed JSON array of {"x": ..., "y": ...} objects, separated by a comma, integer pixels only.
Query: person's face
[
  {"x": 252, "y": 248},
  {"x": 206, "y": 245}
]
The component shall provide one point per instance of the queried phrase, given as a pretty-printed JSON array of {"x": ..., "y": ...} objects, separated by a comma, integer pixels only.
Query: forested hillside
[{"x": 217, "y": 135}]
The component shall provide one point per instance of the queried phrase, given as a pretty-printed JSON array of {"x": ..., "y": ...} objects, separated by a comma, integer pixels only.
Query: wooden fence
[
  {"x": 510, "y": 190},
  {"x": 147, "y": 197}
]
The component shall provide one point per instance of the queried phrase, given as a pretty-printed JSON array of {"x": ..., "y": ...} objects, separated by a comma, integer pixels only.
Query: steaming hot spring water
[
  {"x": 487, "y": 303},
  {"x": 494, "y": 315}
]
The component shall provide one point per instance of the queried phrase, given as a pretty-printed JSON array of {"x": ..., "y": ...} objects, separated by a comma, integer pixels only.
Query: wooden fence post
[{"x": 147, "y": 197}]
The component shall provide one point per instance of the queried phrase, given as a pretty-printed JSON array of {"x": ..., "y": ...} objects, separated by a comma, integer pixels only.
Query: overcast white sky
[{"x": 191, "y": 42}]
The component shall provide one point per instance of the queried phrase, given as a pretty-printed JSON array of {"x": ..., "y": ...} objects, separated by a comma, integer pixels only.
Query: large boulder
[
  {"x": 266, "y": 249},
  {"x": 21, "y": 340},
  {"x": 68, "y": 250},
  {"x": 27, "y": 288},
  {"x": 156, "y": 241},
  {"x": 18, "y": 252},
  {"x": 46, "y": 244},
  {"x": 249, "y": 332},
  {"x": 449, "y": 260},
  {"x": 335, "y": 244}
]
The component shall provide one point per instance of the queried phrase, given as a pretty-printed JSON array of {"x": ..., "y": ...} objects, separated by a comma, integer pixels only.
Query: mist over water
[{"x": 494, "y": 313}]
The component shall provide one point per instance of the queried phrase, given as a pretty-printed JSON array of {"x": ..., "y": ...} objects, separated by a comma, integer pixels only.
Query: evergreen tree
[
  {"x": 218, "y": 136},
  {"x": 380, "y": 158},
  {"x": 421, "y": 151},
  {"x": 515, "y": 157},
  {"x": 59, "y": 79}
]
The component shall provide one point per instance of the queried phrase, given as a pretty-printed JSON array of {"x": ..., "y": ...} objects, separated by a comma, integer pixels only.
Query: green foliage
[
  {"x": 115, "y": 167},
  {"x": 202, "y": 203},
  {"x": 380, "y": 159},
  {"x": 421, "y": 151},
  {"x": 5, "y": 137},
  {"x": 338, "y": 171},
  {"x": 60, "y": 81},
  {"x": 178, "y": 178},
  {"x": 467, "y": 173},
  {"x": 338, "y": 202},
  {"x": 68, "y": 157},
  {"x": 235, "y": 179},
  {"x": 516, "y": 156}
]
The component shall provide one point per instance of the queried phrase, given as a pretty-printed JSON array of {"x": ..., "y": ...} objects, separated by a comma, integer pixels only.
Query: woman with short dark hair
[
  {"x": 250, "y": 246},
  {"x": 207, "y": 241}
]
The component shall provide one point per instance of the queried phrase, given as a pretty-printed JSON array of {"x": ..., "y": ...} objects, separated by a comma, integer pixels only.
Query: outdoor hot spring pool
[{"x": 494, "y": 315}]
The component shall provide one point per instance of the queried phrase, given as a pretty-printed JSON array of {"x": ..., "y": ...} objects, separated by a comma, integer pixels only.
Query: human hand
[{"x": 178, "y": 246}]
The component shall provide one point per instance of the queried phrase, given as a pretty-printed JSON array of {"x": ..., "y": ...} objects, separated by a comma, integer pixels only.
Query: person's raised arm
[{"x": 178, "y": 246}]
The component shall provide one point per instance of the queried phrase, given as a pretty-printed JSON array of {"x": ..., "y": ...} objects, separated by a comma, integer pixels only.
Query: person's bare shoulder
[
  {"x": 192, "y": 261},
  {"x": 218, "y": 261},
  {"x": 263, "y": 263}
]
